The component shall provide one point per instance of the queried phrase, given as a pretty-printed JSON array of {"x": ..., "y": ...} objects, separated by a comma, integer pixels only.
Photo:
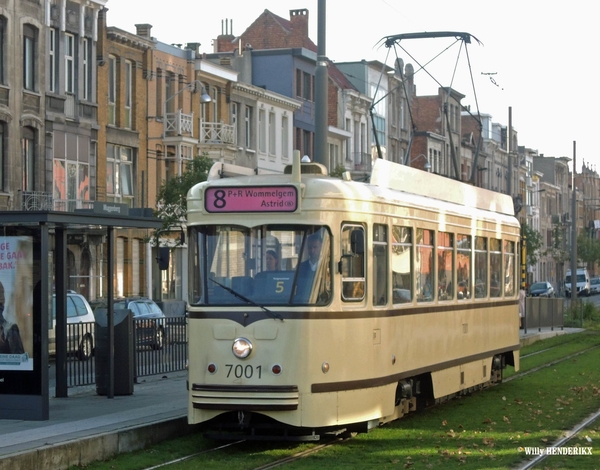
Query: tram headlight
[{"x": 241, "y": 348}]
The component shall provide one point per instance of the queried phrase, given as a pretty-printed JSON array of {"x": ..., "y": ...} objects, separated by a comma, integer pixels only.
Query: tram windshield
[{"x": 266, "y": 265}]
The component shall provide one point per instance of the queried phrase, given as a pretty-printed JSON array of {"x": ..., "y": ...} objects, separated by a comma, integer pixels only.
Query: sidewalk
[
  {"x": 536, "y": 334},
  {"x": 157, "y": 409}
]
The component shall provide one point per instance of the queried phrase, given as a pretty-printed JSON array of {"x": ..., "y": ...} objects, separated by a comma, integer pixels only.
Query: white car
[
  {"x": 595, "y": 286},
  {"x": 80, "y": 327}
]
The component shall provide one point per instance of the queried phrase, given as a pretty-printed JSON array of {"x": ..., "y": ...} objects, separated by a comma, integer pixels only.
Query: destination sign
[{"x": 252, "y": 199}]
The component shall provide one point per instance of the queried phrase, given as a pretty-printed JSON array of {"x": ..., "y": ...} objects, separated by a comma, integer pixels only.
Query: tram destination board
[{"x": 252, "y": 199}]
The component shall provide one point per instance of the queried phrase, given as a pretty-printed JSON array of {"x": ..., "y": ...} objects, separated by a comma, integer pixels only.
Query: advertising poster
[{"x": 16, "y": 303}]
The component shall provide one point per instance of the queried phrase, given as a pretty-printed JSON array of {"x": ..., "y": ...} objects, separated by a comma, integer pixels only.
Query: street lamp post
[
  {"x": 204, "y": 98},
  {"x": 426, "y": 167},
  {"x": 175, "y": 125}
]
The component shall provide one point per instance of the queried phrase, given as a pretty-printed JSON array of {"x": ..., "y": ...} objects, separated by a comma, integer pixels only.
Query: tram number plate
[{"x": 239, "y": 371}]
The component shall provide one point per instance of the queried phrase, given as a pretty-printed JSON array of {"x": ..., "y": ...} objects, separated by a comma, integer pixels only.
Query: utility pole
[
  {"x": 574, "y": 232},
  {"x": 510, "y": 157},
  {"x": 321, "y": 154}
]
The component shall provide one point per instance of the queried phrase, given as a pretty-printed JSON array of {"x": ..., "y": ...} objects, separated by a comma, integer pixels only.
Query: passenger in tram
[
  {"x": 308, "y": 267},
  {"x": 272, "y": 261}
]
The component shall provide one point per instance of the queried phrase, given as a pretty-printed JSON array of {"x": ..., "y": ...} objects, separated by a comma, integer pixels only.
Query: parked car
[
  {"x": 80, "y": 327},
  {"x": 149, "y": 319},
  {"x": 541, "y": 289},
  {"x": 595, "y": 285}
]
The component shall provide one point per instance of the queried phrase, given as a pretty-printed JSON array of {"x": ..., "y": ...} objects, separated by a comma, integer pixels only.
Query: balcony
[
  {"x": 179, "y": 124},
  {"x": 42, "y": 201},
  {"x": 217, "y": 133}
]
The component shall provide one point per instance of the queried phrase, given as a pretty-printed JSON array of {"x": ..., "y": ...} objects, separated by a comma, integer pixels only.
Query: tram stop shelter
[{"x": 27, "y": 239}]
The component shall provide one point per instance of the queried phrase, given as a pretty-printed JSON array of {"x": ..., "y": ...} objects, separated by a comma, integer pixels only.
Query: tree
[
  {"x": 588, "y": 248},
  {"x": 338, "y": 171},
  {"x": 171, "y": 201},
  {"x": 533, "y": 243}
]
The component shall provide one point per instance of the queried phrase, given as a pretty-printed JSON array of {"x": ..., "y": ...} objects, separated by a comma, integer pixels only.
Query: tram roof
[
  {"x": 385, "y": 175},
  {"x": 391, "y": 175}
]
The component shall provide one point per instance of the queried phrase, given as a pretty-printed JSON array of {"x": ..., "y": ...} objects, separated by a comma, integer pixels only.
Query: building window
[
  {"x": 214, "y": 104},
  {"x": 86, "y": 69},
  {"x": 304, "y": 85},
  {"x": 128, "y": 93},
  {"x": 28, "y": 158},
  {"x": 234, "y": 115},
  {"x": 307, "y": 89},
  {"x": 248, "y": 126},
  {"x": 52, "y": 58},
  {"x": 29, "y": 52},
  {"x": 71, "y": 171},
  {"x": 272, "y": 135},
  {"x": 2, "y": 48},
  {"x": 119, "y": 174},
  {"x": 262, "y": 131},
  {"x": 112, "y": 90},
  {"x": 285, "y": 137},
  {"x": 69, "y": 63}
]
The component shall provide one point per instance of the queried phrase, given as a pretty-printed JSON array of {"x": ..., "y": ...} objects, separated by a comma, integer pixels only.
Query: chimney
[
  {"x": 144, "y": 30},
  {"x": 299, "y": 20},
  {"x": 193, "y": 46}
]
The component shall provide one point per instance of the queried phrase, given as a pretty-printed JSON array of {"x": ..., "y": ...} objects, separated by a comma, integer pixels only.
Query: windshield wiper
[{"x": 246, "y": 299}]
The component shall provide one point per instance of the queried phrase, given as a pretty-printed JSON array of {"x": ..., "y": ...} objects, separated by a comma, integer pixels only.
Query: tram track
[
  {"x": 570, "y": 435},
  {"x": 303, "y": 454},
  {"x": 550, "y": 364},
  {"x": 195, "y": 454}
]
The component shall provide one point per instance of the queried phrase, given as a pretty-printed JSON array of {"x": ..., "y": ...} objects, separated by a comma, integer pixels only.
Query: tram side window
[
  {"x": 445, "y": 255},
  {"x": 353, "y": 262},
  {"x": 509, "y": 268},
  {"x": 495, "y": 267},
  {"x": 481, "y": 261},
  {"x": 380, "y": 264},
  {"x": 424, "y": 265},
  {"x": 463, "y": 272},
  {"x": 402, "y": 268}
]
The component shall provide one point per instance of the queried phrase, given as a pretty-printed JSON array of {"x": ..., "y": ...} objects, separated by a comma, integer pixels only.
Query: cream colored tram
[{"x": 386, "y": 296}]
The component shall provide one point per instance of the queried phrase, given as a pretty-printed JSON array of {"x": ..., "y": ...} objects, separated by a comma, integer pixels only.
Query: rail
[{"x": 159, "y": 347}]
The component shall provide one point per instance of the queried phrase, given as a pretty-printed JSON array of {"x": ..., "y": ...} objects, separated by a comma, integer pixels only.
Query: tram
[{"x": 320, "y": 304}]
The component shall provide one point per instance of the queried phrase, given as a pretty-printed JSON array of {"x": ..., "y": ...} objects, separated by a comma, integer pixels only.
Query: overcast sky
[{"x": 538, "y": 58}]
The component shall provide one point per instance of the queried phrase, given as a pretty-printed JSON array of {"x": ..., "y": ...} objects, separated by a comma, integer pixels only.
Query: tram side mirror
[
  {"x": 163, "y": 258},
  {"x": 357, "y": 242}
]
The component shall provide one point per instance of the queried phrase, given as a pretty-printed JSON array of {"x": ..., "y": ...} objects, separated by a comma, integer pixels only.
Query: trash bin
[{"x": 124, "y": 352}]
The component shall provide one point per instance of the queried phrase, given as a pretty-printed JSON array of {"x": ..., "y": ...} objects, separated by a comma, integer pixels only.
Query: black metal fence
[{"x": 159, "y": 347}]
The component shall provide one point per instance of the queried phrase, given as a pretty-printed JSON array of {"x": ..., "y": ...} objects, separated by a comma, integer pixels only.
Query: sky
[{"x": 537, "y": 59}]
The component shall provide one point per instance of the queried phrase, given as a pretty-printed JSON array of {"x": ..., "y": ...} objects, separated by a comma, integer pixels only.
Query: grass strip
[{"x": 489, "y": 429}]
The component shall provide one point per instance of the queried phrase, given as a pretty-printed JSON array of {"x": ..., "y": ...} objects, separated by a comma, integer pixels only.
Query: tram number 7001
[{"x": 238, "y": 371}]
